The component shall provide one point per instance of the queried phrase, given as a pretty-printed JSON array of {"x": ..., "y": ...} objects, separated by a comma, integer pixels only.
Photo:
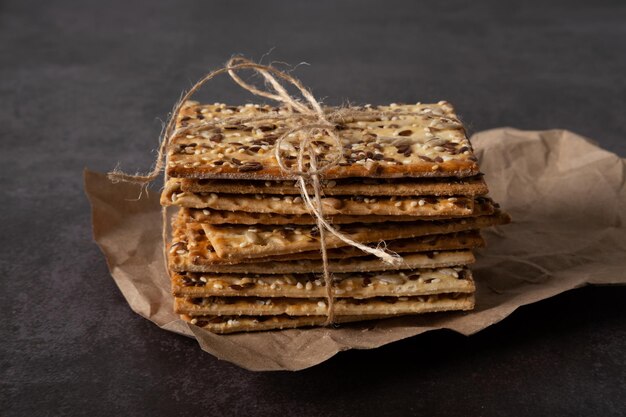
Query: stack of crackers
[{"x": 245, "y": 250}]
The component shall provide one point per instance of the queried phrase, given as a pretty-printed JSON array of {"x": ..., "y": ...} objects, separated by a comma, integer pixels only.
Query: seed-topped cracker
[
  {"x": 432, "y": 259},
  {"x": 481, "y": 207},
  {"x": 238, "y": 241},
  {"x": 425, "y": 206},
  {"x": 191, "y": 250},
  {"x": 417, "y": 140},
  {"x": 353, "y": 285},
  {"x": 234, "y": 324},
  {"x": 470, "y": 186},
  {"x": 318, "y": 306}
]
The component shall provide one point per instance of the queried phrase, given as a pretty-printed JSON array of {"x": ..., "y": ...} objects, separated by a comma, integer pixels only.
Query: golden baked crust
[
  {"x": 433, "y": 259},
  {"x": 190, "y": 249},
  {"x": 234, "y": 324},
  {"x": 482, "y": 207},
  {"x": 429, "y": 142},
  {"x": 262, "y": 306},
  {"x": 422, "y": 281},
  {"x": 237, "y": 242},
  {"x": 417, "y": 207},
  {"x": 470, "y": 186}
]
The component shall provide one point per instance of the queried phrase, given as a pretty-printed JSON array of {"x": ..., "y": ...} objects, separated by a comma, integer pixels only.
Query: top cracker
[{"x": 426, "y": 140}]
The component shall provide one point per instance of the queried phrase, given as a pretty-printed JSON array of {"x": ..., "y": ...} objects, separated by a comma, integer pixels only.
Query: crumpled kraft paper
[{"x": 567, "y": 198}]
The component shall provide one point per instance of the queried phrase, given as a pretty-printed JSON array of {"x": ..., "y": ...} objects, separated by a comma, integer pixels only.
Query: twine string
[{"x": 309, "y": 118}]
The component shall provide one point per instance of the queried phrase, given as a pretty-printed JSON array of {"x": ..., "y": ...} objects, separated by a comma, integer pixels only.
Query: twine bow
[{"x": 309, "y": 118}]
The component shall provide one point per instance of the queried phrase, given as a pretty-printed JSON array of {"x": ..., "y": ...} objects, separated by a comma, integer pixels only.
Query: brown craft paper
[{"x": 567, "y": 198}]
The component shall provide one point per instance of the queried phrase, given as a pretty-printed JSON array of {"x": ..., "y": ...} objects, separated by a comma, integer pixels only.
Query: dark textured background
[{"x": 82, "y": 84}]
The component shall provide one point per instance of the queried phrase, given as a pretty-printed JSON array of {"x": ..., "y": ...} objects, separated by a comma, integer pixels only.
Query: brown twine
[{"x": 310, "y": 118}]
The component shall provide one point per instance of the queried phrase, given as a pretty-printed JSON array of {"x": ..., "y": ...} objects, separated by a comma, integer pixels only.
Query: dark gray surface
[{"x": 83, "y": 83}]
